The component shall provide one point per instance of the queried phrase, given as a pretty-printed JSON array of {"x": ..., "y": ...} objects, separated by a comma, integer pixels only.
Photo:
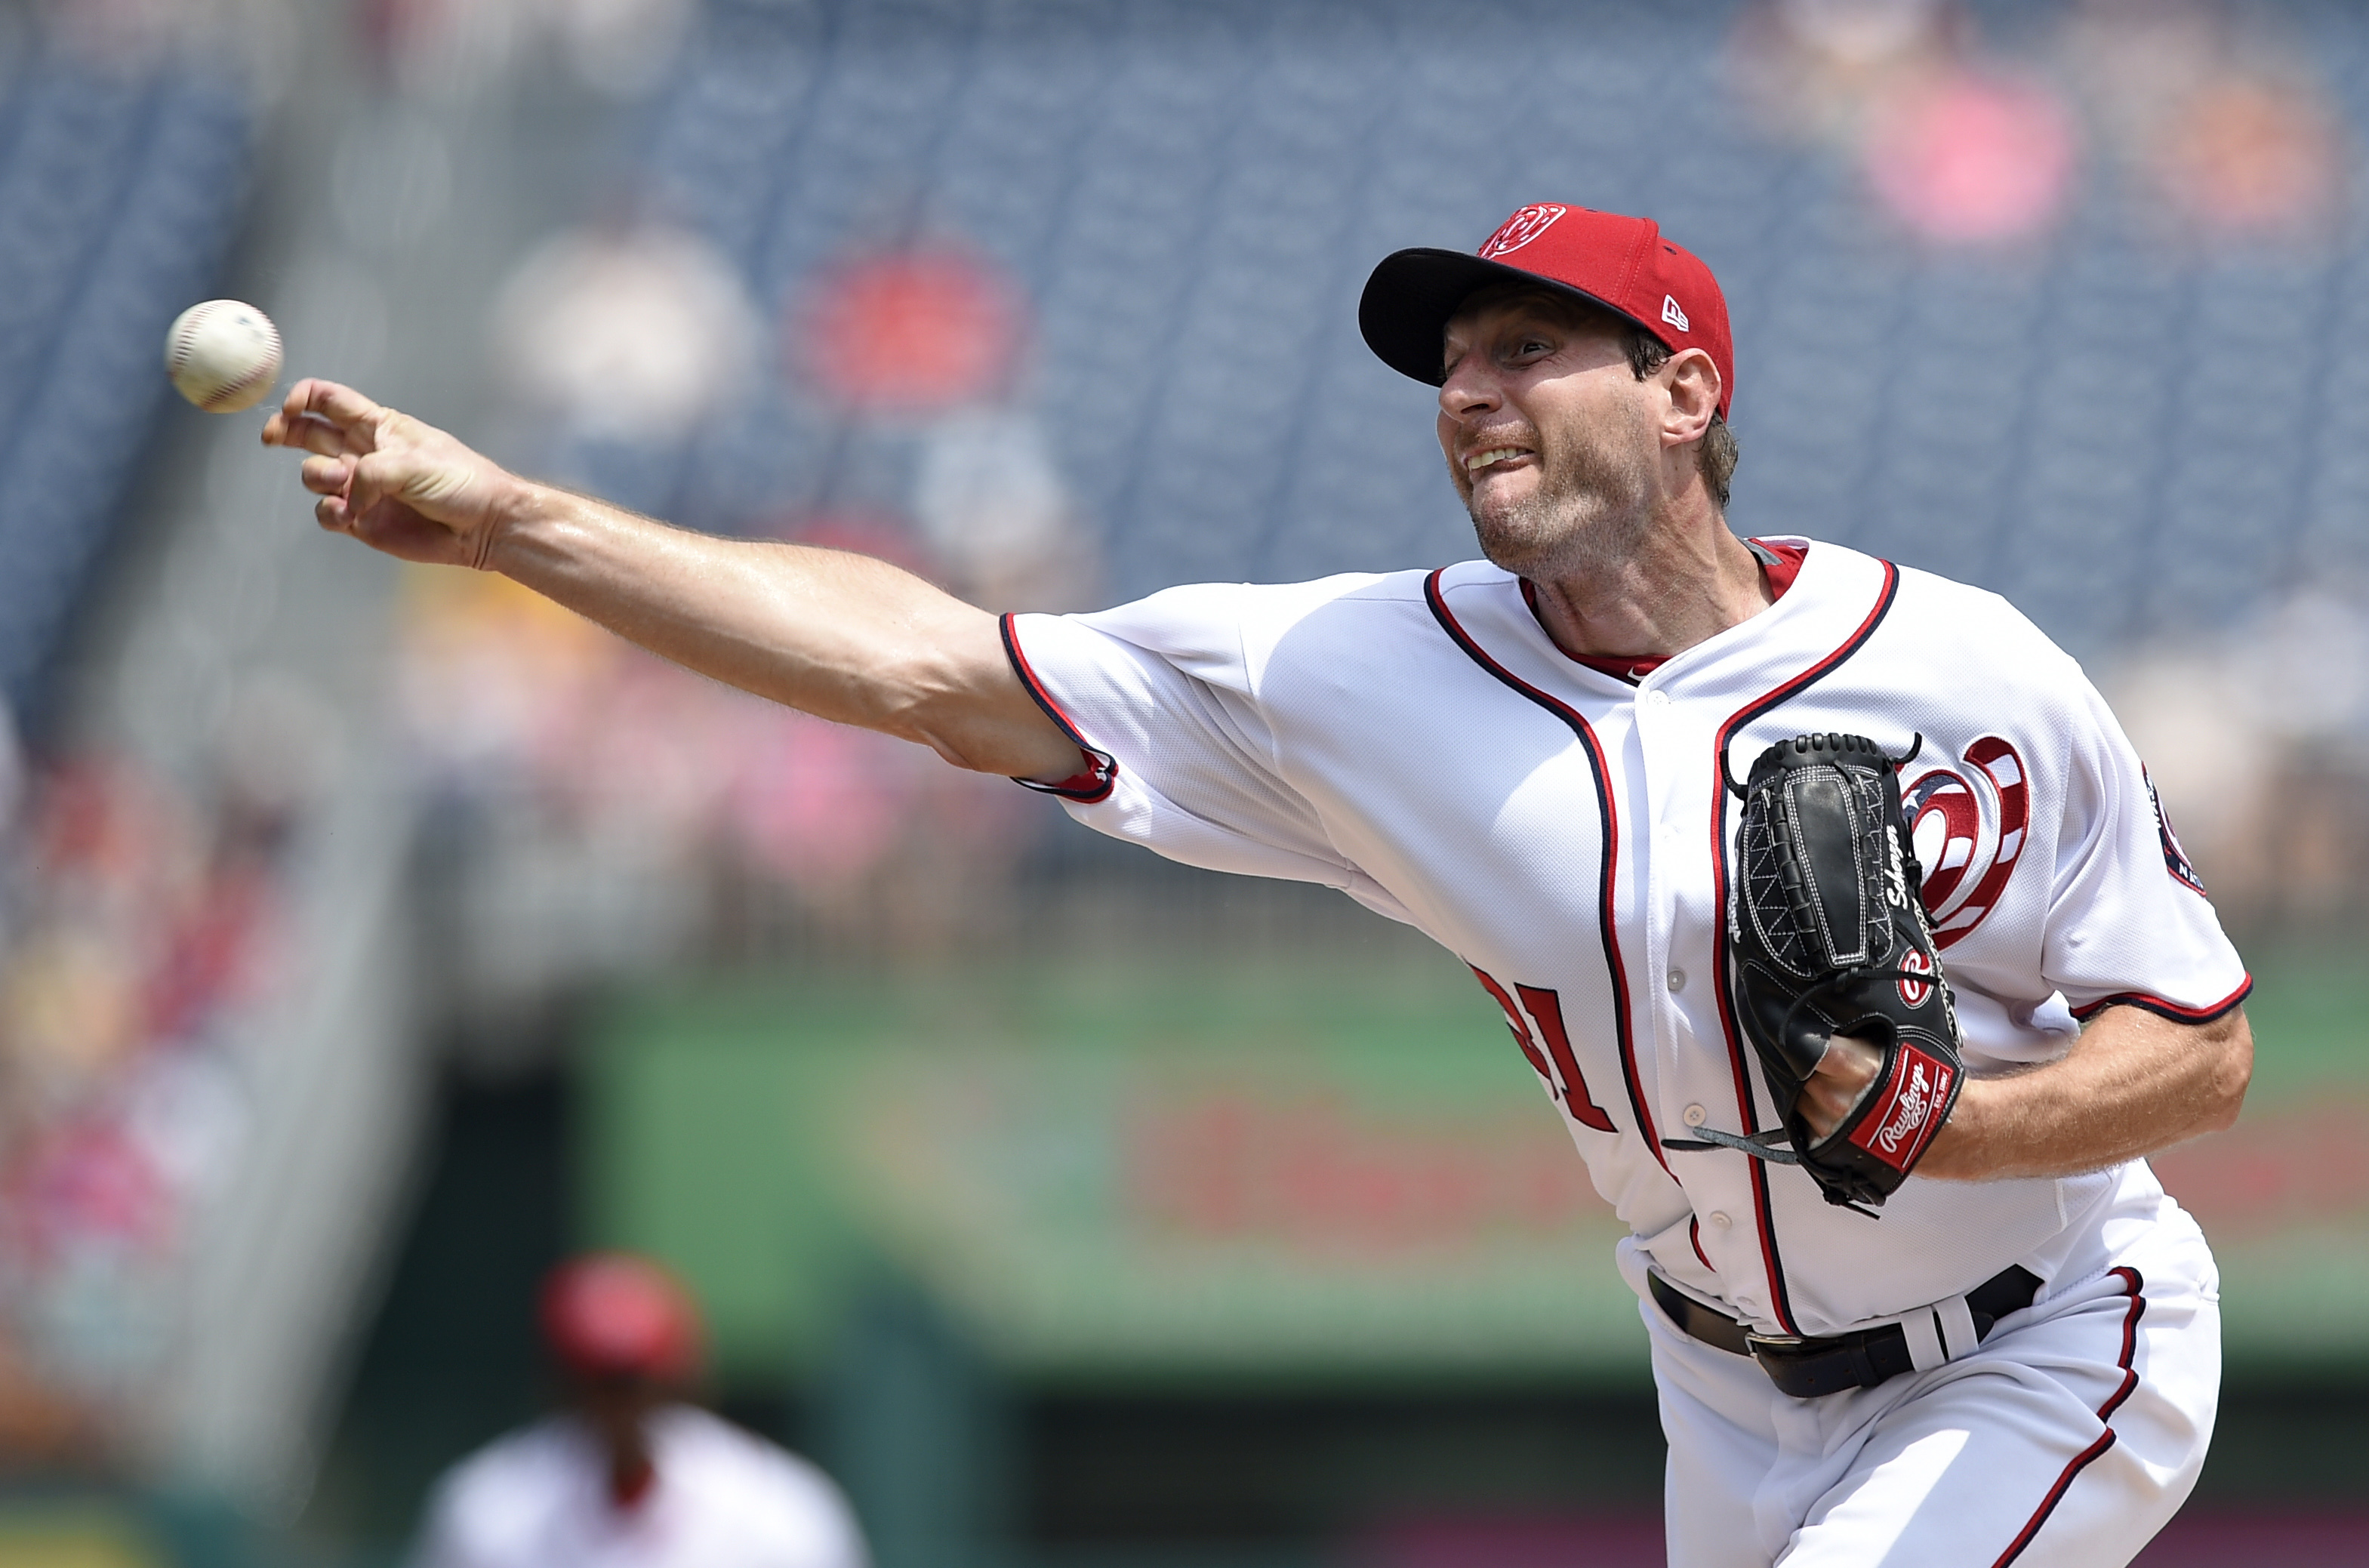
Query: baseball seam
[{"x": 185, "y": 341}]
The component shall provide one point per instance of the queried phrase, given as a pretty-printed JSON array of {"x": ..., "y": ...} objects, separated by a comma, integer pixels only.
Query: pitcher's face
[{"x": 1550, "y": 439}]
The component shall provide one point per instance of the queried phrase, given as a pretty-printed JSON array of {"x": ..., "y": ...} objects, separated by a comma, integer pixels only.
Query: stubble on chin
[{"x": 1579, "y": 520}]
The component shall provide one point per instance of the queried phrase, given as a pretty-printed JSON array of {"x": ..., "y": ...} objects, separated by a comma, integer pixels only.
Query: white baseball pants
[{"x": 2066, "y": 1441}]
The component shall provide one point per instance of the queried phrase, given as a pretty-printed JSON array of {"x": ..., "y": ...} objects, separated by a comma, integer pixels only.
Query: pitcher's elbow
[{"x": 2233, "y": 1073}]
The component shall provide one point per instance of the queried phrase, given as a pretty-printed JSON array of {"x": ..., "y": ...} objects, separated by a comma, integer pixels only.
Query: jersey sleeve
[
  {"x": 2129, "y": 921},
  {"x": 1162, "y": 698}
]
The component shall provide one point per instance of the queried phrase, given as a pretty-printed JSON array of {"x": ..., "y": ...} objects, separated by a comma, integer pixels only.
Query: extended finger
[
  {"x": 291, "y": 410},
  {"x": 308, "y": 433},
  {"x": 338, "y": 404},
  {"x": 318, "y": 435},
  {"x": 292, "y": 407},
  {"x": 291, "y": 414}
]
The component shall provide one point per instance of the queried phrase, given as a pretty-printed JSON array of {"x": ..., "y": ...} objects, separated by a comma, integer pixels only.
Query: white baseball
[{"x": 223, "y": 355}]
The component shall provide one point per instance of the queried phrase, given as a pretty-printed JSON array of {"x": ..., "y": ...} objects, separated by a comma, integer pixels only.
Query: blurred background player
[{"x": 628, "y": 1473}]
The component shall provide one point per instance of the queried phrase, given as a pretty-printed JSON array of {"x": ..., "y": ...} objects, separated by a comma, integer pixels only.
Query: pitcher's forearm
[
  {"x": 840, "y": 635},
  {"x": 2133, "y": 1083},
  {"x": 771, "y": 619}
]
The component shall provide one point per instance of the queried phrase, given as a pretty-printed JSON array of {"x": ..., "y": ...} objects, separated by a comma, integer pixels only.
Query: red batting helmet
[
  {"x": 1621, "y": 264},
  {"x": 612, "y": 1314}
]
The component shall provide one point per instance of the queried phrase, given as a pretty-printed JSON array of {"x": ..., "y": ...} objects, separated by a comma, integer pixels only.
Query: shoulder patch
[{"x": 2175, "y": 859}]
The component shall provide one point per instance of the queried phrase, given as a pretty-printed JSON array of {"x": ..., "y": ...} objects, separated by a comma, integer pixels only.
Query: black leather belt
[{"x": 1808, "y": 1368}]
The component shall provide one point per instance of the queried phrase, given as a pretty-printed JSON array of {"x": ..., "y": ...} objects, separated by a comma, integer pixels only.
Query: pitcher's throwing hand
[{"x": 392, "y": 482}]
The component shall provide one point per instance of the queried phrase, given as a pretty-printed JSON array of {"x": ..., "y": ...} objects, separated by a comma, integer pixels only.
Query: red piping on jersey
[
  {"x": 1100, "y": 775},
  {"x": 1781, "y": 1302},
  {"x": 2082, "y": 1461},
  {"x": 2162, "y": 1009},
  {"x": 2135, "y": 1285},
  {"x": 1610, "y": 827},
  {"x": 1694, "y": 1240}
]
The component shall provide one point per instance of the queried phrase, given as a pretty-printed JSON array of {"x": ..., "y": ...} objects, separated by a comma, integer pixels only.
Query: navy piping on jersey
[
  {"x": 2162, "y": 1009},
  {"x": 2082, "y": 1461},
  {"x": 1610, "y": 827},
  {"x": 1780, "y": 1301},
  {"x": 1103, "y": 770}
]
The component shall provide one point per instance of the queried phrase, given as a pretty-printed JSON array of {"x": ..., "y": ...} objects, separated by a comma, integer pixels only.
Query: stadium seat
[{"x": 1192, "y": 195}]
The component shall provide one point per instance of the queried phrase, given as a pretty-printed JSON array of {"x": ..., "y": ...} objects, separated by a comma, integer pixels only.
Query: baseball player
[
  {"x": 1956, "y": 1321},
  {"x": 628, "y": 1476}
]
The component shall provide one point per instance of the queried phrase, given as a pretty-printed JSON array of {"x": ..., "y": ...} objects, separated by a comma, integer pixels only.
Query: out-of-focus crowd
[
  {"x": 2255, "y": 739},
  {"x": 143, "y": 931},
  {"x": 609, "y": 779},
  {"x": 703, "y": 817},
  {"x": 2222, "y": 128},
  {"x": 604, "y": 782},
  {"x": 617, "y": 46},
  {"x": 620, "y": 47}
]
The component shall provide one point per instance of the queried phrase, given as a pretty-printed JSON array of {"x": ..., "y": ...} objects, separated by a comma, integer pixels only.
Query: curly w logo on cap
[{"x": 1521, "y": 229}]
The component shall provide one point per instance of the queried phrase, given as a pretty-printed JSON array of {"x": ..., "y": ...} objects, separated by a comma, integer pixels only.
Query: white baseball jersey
[
  {"x": 1418, "y": 742},
  {"x": 721, "y": 1498}
]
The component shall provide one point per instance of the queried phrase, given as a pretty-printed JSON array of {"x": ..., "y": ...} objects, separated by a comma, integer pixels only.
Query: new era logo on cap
[{"x": 1619, "y": 263}]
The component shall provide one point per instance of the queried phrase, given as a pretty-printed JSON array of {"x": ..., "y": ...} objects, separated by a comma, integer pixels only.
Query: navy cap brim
[{"x": 1413, "y": 294}]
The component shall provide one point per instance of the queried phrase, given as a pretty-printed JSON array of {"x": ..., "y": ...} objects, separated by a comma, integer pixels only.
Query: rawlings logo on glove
[
  {"x": 1827, "y": 936},
  {"x": 1901, "y": 1109}
]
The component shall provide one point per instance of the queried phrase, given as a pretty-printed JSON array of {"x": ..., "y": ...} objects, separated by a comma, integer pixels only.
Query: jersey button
[
  {"x": 1720, "y": 1219},
  {"x": 1657, "y": 698},
  {"x": 1696, "y": 1115},
  {"x": 1677, "y": 980}
]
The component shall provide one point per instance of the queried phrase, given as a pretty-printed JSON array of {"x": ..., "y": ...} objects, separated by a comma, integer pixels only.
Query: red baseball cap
[
  {"x": 612, "y": 1314},
  {"x": 1621, "y": 264}
]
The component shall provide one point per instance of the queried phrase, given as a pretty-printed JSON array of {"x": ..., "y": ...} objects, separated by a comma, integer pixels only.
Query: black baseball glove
[{"x": 1827, "y": 936}]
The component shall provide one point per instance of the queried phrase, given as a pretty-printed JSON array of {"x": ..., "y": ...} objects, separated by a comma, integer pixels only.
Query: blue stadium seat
[
  {"x": 122, "y": 192},
  {"x": 1193, "y": 191}
]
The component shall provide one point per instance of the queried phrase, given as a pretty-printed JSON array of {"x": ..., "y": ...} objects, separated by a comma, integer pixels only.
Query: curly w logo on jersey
[{"x": 1969, "y": 830}]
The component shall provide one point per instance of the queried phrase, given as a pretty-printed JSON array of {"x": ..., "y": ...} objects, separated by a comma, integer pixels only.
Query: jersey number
[{"x": 1547, "y": 1008}]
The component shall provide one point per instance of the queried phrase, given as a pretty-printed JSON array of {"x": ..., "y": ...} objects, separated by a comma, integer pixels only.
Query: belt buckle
[{"x": 1776, "y": 1344}]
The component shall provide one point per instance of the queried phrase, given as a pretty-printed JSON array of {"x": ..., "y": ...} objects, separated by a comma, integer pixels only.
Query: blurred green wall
[{"x": 1333, "y": 1168}]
